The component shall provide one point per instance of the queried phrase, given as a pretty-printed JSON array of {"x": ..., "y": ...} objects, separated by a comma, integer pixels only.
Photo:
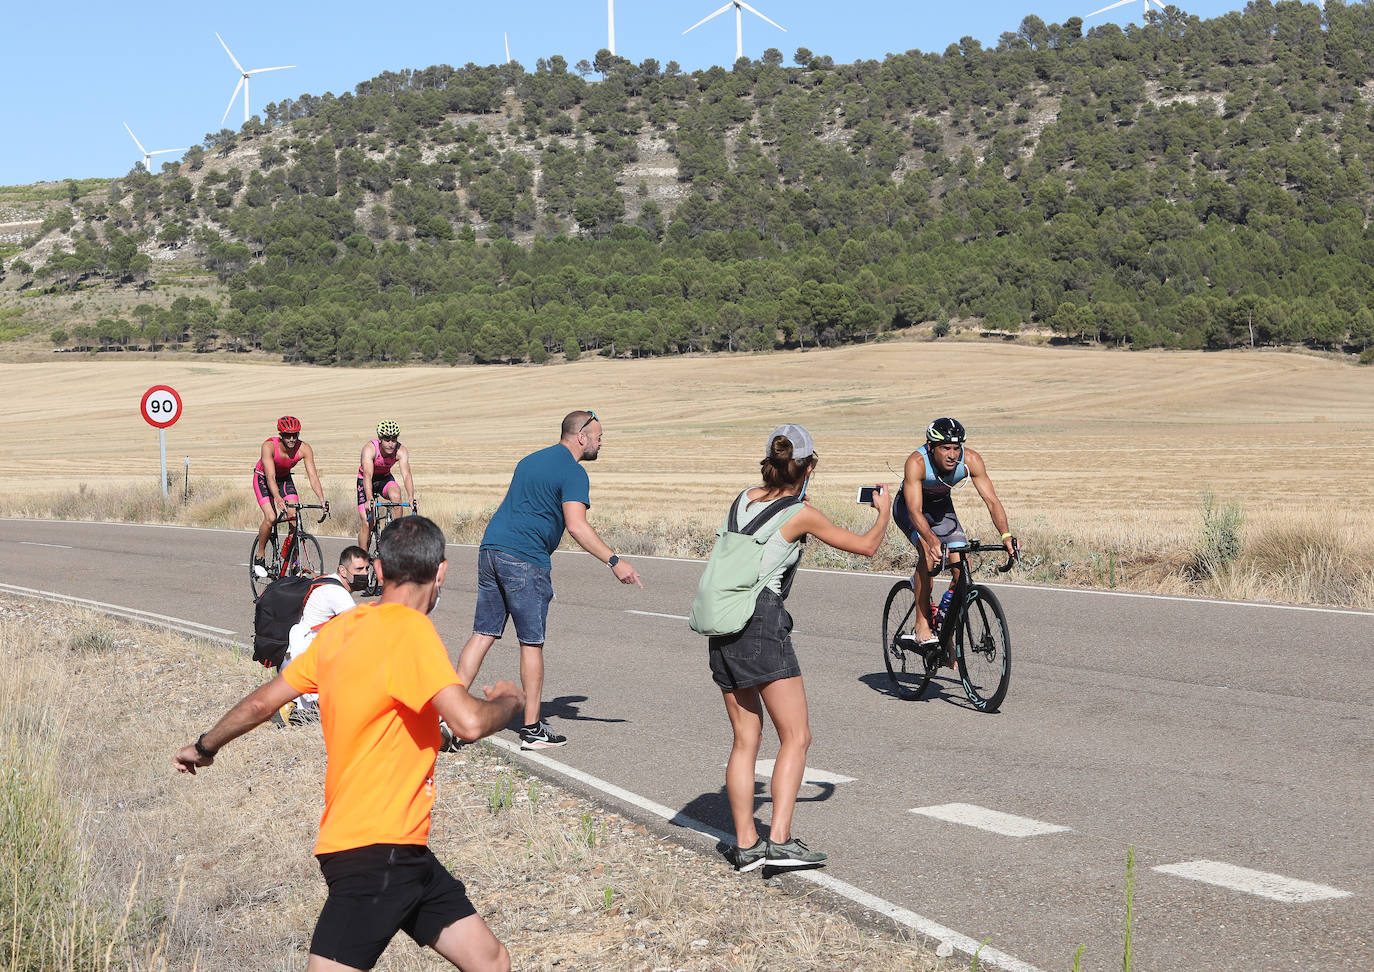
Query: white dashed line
[
  {"x": 764, "y": 768},
  {"x": 655, "y": 614},
  {"x": 919, "y": 923},
  {"x": 1006, "y": 824},
  {"x": 35, "y": 543},
  {"x": 1276, "y": 887}
]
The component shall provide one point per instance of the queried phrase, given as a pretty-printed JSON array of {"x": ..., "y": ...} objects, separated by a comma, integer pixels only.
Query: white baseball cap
[{"x": 802, "y": 444}]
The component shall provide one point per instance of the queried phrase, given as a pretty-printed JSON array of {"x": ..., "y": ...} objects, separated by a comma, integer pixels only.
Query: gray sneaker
[
  {"x": 793, "y": 853},
  {"x": 748, "y": 858}
]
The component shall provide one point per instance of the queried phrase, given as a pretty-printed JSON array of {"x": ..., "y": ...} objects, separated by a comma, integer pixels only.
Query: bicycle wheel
[
  {"x": 272, "y": 560},
  {"x": 983, "y": 648},
  {"x": 907, "y": 670},
  {"x": 306, "y": 557}
]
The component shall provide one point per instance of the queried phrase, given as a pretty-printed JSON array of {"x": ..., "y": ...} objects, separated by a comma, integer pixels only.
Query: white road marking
[
  {"x": 1276, "y": 887},
  {"x": 655, "y": 614},
  {"x": 764, "y": 768},
  {"x": 910, "y": 919},
  {"x": 1006, "y": 824},
  {"x": 35, "y": 543},
  {"x": 132, "y": 614}
]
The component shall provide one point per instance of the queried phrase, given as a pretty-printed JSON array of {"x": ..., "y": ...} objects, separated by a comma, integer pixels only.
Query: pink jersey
[
  {"x": 281, "y": 460},
  {"x": 381, "y": 464}
]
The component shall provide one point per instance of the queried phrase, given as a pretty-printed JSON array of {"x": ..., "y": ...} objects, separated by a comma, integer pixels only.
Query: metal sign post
[{"x": 160, "y": 408}]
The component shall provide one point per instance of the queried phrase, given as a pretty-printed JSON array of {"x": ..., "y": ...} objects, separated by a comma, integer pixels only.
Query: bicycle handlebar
[
  {"x": 978, "y": 547},
  {"x": 307, "y": 506}
]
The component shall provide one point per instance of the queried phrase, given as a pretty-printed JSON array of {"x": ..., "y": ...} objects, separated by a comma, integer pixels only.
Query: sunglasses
[
  {"x": 590, "y": 420},
  {"x": 390, "y": 438},
  {"x": 290, "y": 435}
]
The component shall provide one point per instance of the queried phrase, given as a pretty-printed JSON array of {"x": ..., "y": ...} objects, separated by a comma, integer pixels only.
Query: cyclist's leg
[
  {"x": 944, "y": 523},
  {"x": 746, "y": 720},
  {"x": 392, "y": 491},
  {"x": 920, "y": 577},
  {"x": 269, "y": 512},
  {"x": 786, "y": 703},
  {"x": 364, "y": 528}
]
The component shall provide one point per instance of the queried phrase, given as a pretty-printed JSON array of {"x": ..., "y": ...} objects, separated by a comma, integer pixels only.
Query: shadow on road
[
  {"x": 566, "y": 707},
  {"x": 944, "y": 687}
]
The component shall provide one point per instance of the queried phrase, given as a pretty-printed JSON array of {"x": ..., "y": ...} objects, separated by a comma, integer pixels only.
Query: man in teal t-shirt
[{"x": 548, "y": 493}]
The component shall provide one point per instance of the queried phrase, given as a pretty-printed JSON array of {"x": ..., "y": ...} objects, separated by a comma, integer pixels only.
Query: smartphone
[{"x": 865, "y": 496}]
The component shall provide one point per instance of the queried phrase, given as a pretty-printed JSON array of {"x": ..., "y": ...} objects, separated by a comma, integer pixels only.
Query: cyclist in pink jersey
[
  {"x": 376, "y": 477},
  {"x": 272, "y": 476}
]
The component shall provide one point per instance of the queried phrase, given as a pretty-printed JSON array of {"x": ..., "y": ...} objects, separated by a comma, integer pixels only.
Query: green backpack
[{"x": 731, "y": 584}]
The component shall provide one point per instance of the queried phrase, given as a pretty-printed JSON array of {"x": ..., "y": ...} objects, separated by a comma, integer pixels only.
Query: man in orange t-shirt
[{"x": 384, "y": 678}]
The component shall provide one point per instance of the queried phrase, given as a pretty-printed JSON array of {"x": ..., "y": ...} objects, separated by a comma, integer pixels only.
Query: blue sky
[{"x": 73, "y": 74}]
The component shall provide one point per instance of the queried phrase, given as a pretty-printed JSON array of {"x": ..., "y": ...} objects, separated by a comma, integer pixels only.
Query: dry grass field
[
  {"x": 1102, "y": 458},
  {"x": 127, "y": 864}
]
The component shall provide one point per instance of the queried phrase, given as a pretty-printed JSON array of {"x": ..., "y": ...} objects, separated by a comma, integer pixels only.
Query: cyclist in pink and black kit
[
  {"x": 272, "y": 477},
  {"x": 376, "y": 478}
]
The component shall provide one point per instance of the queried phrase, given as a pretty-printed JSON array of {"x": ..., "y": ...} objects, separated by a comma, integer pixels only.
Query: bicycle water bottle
[{"x": 944, "y": 605}]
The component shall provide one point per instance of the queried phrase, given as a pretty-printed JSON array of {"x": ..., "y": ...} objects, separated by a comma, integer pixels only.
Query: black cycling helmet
[{"x": 945, "y": 430}]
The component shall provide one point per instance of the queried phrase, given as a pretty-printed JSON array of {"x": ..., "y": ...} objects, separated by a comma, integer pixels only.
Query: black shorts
[
  {"x": 378, "y": 890},
  {"x": 939, "y": 515},
  {"x": 760, "y": 653},
  {"x": 379, "y": 485}
]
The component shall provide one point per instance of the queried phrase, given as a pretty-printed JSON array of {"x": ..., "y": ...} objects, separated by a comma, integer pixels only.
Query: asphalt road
[{"x": 1232, "y": 744}]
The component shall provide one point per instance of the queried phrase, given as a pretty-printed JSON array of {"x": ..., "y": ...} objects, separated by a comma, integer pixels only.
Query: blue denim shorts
[
  {"x": 511, "y": 588},
  {"x": 761, "y": 652}
]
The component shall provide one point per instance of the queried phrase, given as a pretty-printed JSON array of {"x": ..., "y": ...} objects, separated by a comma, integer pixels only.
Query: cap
[{"x": 802, "y": 445}]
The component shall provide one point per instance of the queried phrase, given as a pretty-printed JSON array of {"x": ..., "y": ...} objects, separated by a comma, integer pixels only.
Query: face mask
[{"x": 358, "y": 582}]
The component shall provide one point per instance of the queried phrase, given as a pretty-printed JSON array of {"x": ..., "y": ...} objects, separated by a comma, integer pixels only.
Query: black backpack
[{"x": 277, "y": 608}]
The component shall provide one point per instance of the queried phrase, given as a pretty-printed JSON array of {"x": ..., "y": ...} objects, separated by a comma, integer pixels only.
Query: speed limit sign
[{"x": 161, "y": 406}]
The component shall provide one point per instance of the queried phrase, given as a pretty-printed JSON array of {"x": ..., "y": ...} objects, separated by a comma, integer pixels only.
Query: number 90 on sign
[{"x": 161, "y": 406}]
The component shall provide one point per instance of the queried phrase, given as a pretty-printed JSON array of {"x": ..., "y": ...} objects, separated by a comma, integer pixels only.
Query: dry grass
[
  {"x": 214, "y": 872},
  {"x": 1100, "y": 457}
]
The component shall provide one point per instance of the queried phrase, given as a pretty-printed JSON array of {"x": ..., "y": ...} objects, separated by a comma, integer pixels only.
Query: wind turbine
[
  {"x": 739, "y": 29},
  {"x": 243, "y": 79},
  {"x": 506, "y": 35},
  {"x": 1122, "y": 3},
  {"x": 148, "y": 156},
  {"x": 610, "y": 26}
]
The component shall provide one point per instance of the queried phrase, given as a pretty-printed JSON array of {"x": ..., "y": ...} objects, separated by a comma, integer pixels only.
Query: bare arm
[
  {"x": 269, "y": 469},
  {"x": 978, "y": 472},
  {"x": 308, "y": 455},
  {"x": 812, "y": 521},
  {"x": 914, "y": 495},
  {"x": 403, "y": 460},
  {"x": 250, "y": 712},
  {"x": 575, "y": 516},
  {"x": 472, "y": 718},
  {"x": 365, "y": 465}
]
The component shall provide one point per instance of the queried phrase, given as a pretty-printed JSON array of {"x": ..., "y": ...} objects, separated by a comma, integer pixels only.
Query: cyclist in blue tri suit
[{"x": 924, "y": 510}]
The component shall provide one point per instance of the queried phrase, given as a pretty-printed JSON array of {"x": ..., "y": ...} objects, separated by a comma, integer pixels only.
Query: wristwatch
[
  {"x": 613, "y": 561},
  {"x": 200, "y": 746}
]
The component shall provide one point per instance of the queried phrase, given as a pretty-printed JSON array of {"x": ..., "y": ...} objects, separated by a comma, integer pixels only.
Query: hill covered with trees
[{"x": 1186, "y": 183}]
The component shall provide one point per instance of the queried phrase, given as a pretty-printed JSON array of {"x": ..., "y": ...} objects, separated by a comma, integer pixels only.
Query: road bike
[
  {"x": 974, "y": 625},
  {"x": 381, "y": 509},
  {"x": 298, "y": 552}
]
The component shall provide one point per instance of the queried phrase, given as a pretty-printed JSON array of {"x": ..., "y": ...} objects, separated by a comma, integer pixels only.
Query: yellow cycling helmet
[{"x": 388, "y": 429}]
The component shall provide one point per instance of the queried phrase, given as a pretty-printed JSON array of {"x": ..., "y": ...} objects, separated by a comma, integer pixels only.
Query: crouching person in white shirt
[{"x": 325, "y": 600}]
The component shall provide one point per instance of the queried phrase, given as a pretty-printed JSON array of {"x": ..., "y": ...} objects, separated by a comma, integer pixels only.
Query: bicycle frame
[
  {"x": 295, "y": 529},
  {"x": 961, "y": 582}
]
